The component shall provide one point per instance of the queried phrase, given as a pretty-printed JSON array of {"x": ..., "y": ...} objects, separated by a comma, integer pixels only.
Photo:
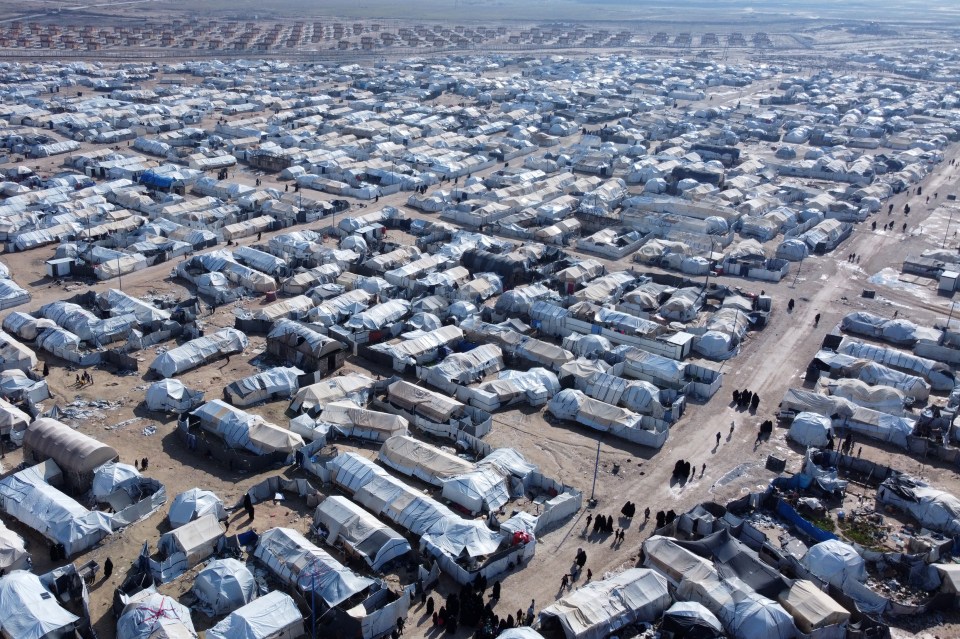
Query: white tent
[
  {"x": 421, "y": 460},
  {"x": 193, "y": 504},
  {"x": 755, "y": 616},
  {"x": 171, "y": 395},
  {"x": 12, "y": 419},
  {"x": 150, "y": 615},
  {"x": 13, "y": 552},
  {"x": 198, "y": 351},
  {"x": 272, "y": 616},
  {"x": 276, "y": 382},
  {"x": 360, "y": 531},
  {"x": 292, "y": 558},
  {"x": 935, "y": 509},
  {"x": 30, "y": 499},
  {"x": 602, "y": 607},
  {"x": 835, "y": 562},
  {"x": 196, "y": 540},
  {"x": 29, "y": 611},
  {"x": 112, "y": 476},
  {"x": 240, "y": 429},
  {"x": 223, "y": 586},
  {"x": 350, "y": 420},
  {"x": 810, "y": 429}
]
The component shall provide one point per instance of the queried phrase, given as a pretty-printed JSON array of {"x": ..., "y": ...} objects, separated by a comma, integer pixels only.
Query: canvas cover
[
  {"x": 360, "y": 531},
  {"x": 812, "y": 608},
  {"x": 691, "y": 620},
  {"x": 280, "y": 381},
  {"x": 600, "y": 608},
  {"x": 292, "y": 558},
  {"x": 72, "y": 450},
  {"x": 434, "y": 406},
  {"x": 421, "y": 460},
  {"x": 352, "y": 386},
  {"x": 29, "y": 611},
  {"x": 272, "y": 616},
  {"x": 350, "y": 420},
  {"x": 197, "y": 539},
  {"x": 12, "y": 419}
]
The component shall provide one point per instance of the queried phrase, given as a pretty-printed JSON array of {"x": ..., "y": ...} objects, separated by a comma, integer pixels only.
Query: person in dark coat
[
  {"x": 107, "y": 568},
  {"x": 495, "y": 593},
  {"x": 736, "y": 397},
  {"x": 248, "y": 506},
  {"x": 430, "y": 607}
]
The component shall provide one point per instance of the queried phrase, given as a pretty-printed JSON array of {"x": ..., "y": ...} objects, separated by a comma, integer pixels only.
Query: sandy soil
[{"x": 772, "y": 361}]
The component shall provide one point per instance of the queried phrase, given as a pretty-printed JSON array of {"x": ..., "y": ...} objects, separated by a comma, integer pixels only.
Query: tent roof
[
  {"x": 72, "y": 450},
  {"x": 261, "y": 618}
]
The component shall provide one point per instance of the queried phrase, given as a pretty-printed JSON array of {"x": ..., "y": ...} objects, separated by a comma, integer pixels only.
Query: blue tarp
[
  {"x": 786, "y": 511},
  {"x": 153, "y": 180}
]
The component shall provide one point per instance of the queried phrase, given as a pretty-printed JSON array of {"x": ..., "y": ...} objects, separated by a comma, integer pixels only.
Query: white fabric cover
[
  {"x": 150, "y": 615},
  {"x": 29, "y": 611},
  {"x": 272, "y": 616},
  {"x": 199, "y": 351},
  {"x": 112, "y": 476},
  {"x": 835, "y": 562},
  {"x": 13, "y": 552},
  {"x": 810, "y": 429},
  {"x": 193, "y": 504},
  {"x": 290, "y": 556},
  {"x": 172, "y": 395},
  {"x": 601, "y": 607},
  {"x": 363, "y": 533},
  {"x": 223, "y": 586}
]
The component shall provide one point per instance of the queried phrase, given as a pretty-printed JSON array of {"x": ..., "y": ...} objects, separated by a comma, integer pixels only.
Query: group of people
[
  {"x": 83, "y": 379},
  {"x": 664, "y": 518},
  {"x": 766, "y": 427},
  {"x": 684, "y": 469},
  {"x": 629, "y": 510},
  {"x": 746, "y": 399},
  {"x": 602, "y": 524},
  {"x": 468, "y": 608},
  {"x": 853, "y": 258}
]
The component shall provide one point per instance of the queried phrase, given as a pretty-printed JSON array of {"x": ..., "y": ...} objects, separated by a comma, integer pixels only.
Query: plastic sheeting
[
  {"x": 199, "y": 351},
  {"x": 939, "y": 375},
  {"x": 810, "y": 429},
  {"x": 193, "y": 504},
  {"x": 275, "y": 382},
  {"x": 173, "y": 396},
  {"x": 240, "y": 429},
  {"x": 111, "y": 477},
  {"x": 273, "y": 615},
  {"x": 13, "y": 551},
  {"x": 439, "y": 527},
  {"x": 601, "y": 607},
  {"x": 29, "y": 611},
  {"x": 935, "y": 509},
  {"x": 380, "y": 316},
  {"x": 292, "y": 558},
  {"x": 365, "y": 535},
  {"x": 835, "y": 562},
  {"x": 350, "y": 420},
  {"x": 223, "y": 586},
  {"x": 150, "y": 615},
  {"x": 812, "y": 608}
]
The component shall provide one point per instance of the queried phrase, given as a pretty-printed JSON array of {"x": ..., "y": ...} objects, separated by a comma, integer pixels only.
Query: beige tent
[
  {"x": 197, "y": 540},
  {"x": 811, "y": 608},
  {"x": 270, "y": 438},
  {"x": 14, "y": 355},
  {"x": 352, "y": 386},
  {"x": 75, "y": 453},
  {"x": 417, "y": 459},
  {"x": 353, "y": 421},
  {"x": 421, "y": 401}
]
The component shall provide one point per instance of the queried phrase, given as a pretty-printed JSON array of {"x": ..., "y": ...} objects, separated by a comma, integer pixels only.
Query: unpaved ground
[{"x": 772, "y": 361}]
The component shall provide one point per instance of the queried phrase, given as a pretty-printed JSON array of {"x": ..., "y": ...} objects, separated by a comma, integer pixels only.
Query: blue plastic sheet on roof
[{"x": 156, "y": 181}]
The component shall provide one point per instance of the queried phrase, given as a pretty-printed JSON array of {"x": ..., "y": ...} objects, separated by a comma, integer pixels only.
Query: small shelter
[
  {"x": 272, "y": 616},
  {"x": 223, "y": 586}
]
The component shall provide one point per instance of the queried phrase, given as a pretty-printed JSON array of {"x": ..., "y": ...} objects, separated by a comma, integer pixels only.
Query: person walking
[
  {"x": 248, "y": 506},
  {"x": 107, "y": 568},
  {"x": 718, "y": 439},
  {"x": 646, "y": 513},
  {"x": 431, "y": 606},
  {"x": 589, "y": 574},
  {"x": 816, "y": 318},
  {"x": 495, "y": 593},
  {"x": 703, "y": 469},
  {"x": 530, "y": 612}
]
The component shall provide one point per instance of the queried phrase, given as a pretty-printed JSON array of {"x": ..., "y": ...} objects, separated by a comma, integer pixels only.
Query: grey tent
[{"x": 223, "y": 586}]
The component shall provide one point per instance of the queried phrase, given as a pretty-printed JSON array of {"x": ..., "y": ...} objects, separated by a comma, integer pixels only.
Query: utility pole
[{"x": 596, "y": 471}]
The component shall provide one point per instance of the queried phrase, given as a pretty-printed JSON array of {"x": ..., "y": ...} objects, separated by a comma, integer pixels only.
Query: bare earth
[{"x": 771, "y": 361}]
